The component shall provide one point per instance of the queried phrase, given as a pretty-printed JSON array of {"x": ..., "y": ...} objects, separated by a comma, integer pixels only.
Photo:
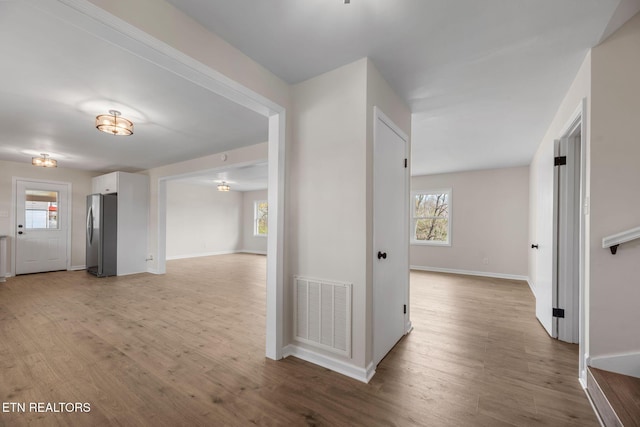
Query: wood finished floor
[{"x": 186, "y": 349}]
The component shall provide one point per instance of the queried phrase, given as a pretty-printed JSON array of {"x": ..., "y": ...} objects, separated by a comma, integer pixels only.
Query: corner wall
[
  {"x": 202, "y": 221},
  {"x": 326, "y": 216},
  {"x": 330, "y": 196},
  {"x": 615, "y": 192},
  {"x": 489, "y": 220}
]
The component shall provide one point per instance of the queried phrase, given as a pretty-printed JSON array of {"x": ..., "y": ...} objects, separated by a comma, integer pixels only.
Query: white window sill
[{"x": 429, "y": 243}]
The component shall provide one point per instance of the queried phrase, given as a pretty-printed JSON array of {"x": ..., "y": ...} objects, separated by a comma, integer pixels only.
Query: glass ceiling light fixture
[
  {"x": 45, "y": 161},
  {"x": 114, "y": 124},
  {"x": 223, "y": 187}
]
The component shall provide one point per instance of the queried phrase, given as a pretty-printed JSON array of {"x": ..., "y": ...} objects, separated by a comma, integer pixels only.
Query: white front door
[
  {"x": 42, "y": 221},
  {"x": 390, "y": 236}
]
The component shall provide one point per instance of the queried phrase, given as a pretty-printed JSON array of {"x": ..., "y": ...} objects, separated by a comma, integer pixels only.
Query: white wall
[
  {"x": 490, "y": 214},
  {"x": 615, "y": 191},
  {"x": 326, "y": 216},
  {"x": 541, "y": 192},
  {"x": 202, "y": 221},
  {"x": 330, "y": 187},
  {"x": 80, "y": 187},
  {"x": 251, "y": 243}
]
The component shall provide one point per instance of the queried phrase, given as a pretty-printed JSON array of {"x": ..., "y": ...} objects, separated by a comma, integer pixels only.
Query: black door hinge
[
  {"x": 405, "y": 309},
  {"x": 405, "y": 163},
  {"x": 558, "y": 312},
  {"x": 560, "y": 161}
]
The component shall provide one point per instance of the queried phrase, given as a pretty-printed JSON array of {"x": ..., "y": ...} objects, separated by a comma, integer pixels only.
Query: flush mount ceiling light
[
  {"x": 45, "y": 161},
  {"x": 114, "y": 124},
  {"x": 223, "y": 187}
]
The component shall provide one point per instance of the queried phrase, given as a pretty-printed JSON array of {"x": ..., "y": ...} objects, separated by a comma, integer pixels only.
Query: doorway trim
[
  {"x": 577, "y": 124},
  {"x": 13, "y": 217},
  {"x": 91, "y": 18}
]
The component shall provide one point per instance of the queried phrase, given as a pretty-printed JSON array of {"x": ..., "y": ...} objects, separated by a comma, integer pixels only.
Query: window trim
[
  {"x": 412, "y": 219},
  {"x": 255, "y": 218}
]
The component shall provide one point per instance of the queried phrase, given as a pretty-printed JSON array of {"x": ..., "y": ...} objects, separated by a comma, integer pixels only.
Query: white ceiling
[
  {"x": 483, "y": 78},
  {"x": 56, "y": 78}
]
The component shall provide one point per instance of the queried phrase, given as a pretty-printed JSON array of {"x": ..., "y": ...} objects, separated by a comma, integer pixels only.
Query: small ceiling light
[
  {"x": 114, "y": 124},
  {"x": 223, "y": 187},
  {"x": 45, "y": 161}
]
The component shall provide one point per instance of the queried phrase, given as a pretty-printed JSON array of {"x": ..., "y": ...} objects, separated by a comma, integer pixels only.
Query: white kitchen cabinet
[
  {"x": 133, "y": 217},
  {"x": 106, "y": 184}
]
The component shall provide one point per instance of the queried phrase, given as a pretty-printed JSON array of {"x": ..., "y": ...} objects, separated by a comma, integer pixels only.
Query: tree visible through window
[
  {"x": 431, "y": 217},
  {"x": 260, "y": 218}
]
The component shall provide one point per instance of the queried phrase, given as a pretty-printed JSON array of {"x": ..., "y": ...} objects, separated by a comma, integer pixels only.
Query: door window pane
[{"x": 41, "y": 209}]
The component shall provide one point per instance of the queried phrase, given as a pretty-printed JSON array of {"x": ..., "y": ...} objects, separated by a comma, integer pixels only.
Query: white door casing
[
  {"x": 390, "y": 236},
  {"x": 567, "y": 239},
  {"x": 41, "y": 244}
]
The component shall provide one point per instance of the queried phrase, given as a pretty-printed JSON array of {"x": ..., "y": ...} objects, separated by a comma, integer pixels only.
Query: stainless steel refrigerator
[{"x": 102, "y": 232}]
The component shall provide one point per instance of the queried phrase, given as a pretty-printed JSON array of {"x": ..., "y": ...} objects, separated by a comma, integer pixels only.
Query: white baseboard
[
  {"x": 77, "y": 267},
  {"x": 621, "y": 363},
  {"x": 533, "y": 289},
  {"x": 470, "y": 272},
  {"x": 202, "y": 254},
  {"x": 583, "y": 383},
  {"x": 360, "y": 374},
  {"x": 247, "y": 251}
]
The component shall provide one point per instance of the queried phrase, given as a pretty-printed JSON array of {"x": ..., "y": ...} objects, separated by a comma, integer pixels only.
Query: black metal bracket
[
  {"x": 534, "y": 246},
  {"x": 382, "y": 255},
  {"x": 558, "y": 312},
  {"x": 613, "y": 249},
  {"x": 560, "y": 161}
]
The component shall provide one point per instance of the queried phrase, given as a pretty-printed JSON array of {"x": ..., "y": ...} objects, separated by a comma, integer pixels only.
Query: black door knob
[
  {"x": 19, "y": 232},
  {"x": 534, "y": 246},
  {"x": 382, "y": 255}
]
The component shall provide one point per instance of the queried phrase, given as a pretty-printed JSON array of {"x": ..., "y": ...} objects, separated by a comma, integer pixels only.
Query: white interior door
[
  {"x": 42, "y": 221},
  {"x": 542, "y": 246},
  {"x": 390, "y": 236}
]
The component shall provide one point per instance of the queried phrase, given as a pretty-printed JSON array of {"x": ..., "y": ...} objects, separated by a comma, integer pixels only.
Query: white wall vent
[{"x": 322, "y": 314}]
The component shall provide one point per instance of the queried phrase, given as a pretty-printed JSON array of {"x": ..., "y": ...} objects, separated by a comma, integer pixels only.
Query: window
[
  {"x": 41, "y": 209},
  {"x": 431, "y": 214},
  {"x": 260, "y": 215}
]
